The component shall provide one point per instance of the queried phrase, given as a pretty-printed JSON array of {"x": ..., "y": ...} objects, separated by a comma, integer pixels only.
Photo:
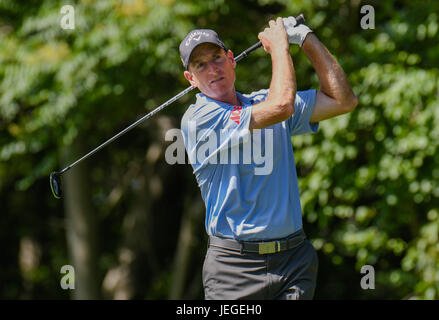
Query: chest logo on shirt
[{"x": 236, "y": 114}]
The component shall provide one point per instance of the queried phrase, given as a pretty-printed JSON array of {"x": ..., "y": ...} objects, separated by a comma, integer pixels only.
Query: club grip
[{"x": 299, "y": 20}]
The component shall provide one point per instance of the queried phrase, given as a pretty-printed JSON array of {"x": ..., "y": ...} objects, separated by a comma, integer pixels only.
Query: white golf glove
[{"x": 295, "y": 34}]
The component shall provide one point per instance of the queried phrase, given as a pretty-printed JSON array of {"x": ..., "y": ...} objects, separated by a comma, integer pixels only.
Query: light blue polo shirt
[{"x": 248, "y": 181}]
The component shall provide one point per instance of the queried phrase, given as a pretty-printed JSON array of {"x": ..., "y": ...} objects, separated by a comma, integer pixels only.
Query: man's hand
[
  {"x": 296, "y": 34},
  {"x": 274, "y": 38}
]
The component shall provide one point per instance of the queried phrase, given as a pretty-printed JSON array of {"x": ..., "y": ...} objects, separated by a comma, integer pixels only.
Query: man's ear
[
  {"x": 190, "y": 77},
  {"x": 231, "y": 57}
]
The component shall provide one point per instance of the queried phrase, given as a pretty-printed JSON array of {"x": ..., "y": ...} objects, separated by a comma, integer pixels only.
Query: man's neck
[{"x": 231, "y": 99}]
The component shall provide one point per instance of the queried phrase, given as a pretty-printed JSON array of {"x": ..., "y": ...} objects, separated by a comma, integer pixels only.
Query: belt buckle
[{"x": 269, "y": 247}]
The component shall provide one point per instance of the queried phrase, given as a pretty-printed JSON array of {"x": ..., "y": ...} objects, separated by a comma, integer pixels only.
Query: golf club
[{"x": 55, "y": 177}]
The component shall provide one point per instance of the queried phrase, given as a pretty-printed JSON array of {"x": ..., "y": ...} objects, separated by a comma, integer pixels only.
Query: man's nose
[{"x": 212, "y": 67}]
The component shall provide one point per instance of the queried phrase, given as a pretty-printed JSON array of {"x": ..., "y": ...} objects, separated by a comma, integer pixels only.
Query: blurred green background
[{"x": 131, "y": 224}]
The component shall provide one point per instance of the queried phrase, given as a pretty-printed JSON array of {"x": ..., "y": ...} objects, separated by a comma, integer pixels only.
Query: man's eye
[{"x": 200, "y": 65}]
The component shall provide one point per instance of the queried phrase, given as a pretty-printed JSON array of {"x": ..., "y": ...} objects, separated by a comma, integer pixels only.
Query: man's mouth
[{"x": 217, "y": 80}]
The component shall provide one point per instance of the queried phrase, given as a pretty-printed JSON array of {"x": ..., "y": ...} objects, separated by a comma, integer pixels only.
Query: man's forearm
[
  {"x": 333, "y": 80},
  {"x": 279, "y": 104},
  {"x": 283, "y": 80}
]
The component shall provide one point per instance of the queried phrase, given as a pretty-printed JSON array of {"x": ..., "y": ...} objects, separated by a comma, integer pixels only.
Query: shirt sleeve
[
  {"x": 211, "y": 128},
  {"x": 304, "y": 103}
]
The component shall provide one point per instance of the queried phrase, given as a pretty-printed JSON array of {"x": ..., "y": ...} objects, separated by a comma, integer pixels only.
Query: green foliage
[{"x": 370, "y": 177}]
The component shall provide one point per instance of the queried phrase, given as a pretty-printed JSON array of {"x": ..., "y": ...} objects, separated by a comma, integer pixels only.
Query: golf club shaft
[
  {"x": 300, "y": 19},
  {"x": 149, "y": 115}
]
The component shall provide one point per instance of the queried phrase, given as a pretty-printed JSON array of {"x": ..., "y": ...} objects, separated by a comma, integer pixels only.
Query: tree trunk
[
  {"x": 122, "y": 281},
  {"x": 191, "y": 220},
  {"x": 81, "y": 226}
]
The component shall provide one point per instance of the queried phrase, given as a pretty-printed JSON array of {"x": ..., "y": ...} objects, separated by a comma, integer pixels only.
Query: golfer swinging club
[{"x": 257, "y": 246}]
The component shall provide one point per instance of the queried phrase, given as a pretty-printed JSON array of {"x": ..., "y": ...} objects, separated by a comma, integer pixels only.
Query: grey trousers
[{"x": 286, "y": 275}]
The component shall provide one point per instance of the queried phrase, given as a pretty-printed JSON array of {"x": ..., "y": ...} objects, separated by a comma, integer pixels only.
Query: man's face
[{"x": 211, "y": 70}]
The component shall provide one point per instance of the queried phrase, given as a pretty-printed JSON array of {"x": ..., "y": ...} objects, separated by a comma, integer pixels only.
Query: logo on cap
[{"x": 193, "y": 37}]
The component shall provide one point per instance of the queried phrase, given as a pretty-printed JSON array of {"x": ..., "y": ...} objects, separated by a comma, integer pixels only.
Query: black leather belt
[{"x": 262, "y": 247}]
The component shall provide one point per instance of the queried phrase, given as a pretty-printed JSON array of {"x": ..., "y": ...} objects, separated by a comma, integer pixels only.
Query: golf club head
[{"x": 55, "y": 185}]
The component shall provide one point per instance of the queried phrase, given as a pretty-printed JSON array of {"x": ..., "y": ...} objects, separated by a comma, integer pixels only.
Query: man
[{"x": 257, "y": 246}]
